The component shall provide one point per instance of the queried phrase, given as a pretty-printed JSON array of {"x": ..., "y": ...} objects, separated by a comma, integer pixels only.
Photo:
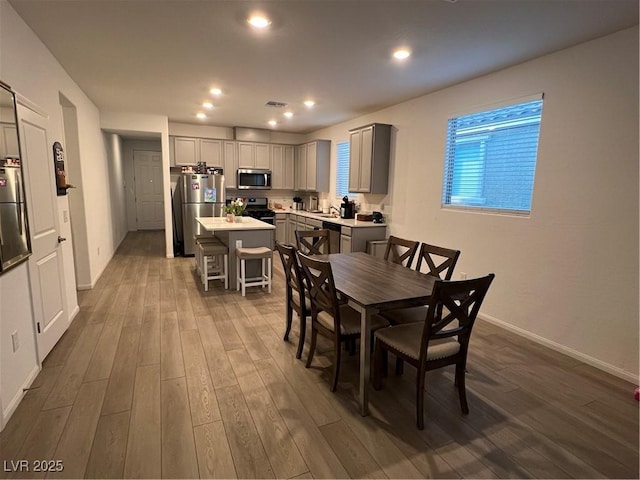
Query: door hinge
[{"x": 38, "y": 325}]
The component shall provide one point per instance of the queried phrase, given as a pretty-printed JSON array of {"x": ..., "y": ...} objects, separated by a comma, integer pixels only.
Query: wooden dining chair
[
  {"x": 440, "y": 263},
  {"x": 296, "y": 297},
  {"x": 313, "y": 242},
  {"x": 330, "y": 317},
  {"x": 401, "y": 251},
  {"x": 441, "y": 339}
]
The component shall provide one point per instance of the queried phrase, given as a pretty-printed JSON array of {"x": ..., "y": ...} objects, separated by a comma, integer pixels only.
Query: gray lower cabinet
[
  {"x": 354, "y": 239},
  {"x": 281, "y": 227}
]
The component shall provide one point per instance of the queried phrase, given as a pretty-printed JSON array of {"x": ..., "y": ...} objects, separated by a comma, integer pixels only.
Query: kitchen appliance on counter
[
  {"x": 14, "y": 233},
  {"x": 377, "y": 217},
  {"x": 254, "y": 179},
  {"x": 299, "y": 204},
  {"x": 347, "y": 208},
  {"x": 201, "y": 195},
  {"x": 258, "y": 208},
  {"x": 313, "y": 204}
]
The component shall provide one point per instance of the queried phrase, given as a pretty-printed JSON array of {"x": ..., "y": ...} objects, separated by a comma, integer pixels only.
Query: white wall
[
  {"x": 34, "y": 73},
  {"x": 568, "y": 275}
]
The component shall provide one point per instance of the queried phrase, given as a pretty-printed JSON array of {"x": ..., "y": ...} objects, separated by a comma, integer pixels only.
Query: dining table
[{"x": 372, "y": 285}]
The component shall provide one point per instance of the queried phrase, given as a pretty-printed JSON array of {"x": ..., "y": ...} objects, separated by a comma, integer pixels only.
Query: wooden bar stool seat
[
  {"x": 214, "y": 257},
  {"x": 257, "y": 253},
  {"x": 205, "y": 240}
]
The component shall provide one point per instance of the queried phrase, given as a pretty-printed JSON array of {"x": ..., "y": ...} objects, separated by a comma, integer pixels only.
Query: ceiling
[{"x": 162, "y": 57}]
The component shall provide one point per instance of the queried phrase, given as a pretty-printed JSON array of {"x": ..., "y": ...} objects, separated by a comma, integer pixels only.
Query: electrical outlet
[
  {"x": 238, "y": 243},
  {"x": 463, "y": 275},
  {"x": 15, "y": 341}
]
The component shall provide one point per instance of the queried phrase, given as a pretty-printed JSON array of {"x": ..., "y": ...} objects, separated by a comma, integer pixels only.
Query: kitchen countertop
[
  {"x": 337, "y": 220},
  {"x": 212, "y": 224}
]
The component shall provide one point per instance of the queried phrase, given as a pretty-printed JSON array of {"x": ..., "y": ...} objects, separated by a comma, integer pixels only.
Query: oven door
[{"x": 254, "y": 179}]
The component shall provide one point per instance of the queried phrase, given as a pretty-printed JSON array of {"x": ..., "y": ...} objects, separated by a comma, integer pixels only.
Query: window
[
  {"x": 490, "y": 160},
  {"x": 342, "y": 174}
]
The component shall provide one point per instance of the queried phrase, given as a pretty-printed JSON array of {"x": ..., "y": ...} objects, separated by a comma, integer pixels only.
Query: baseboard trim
[
  {"x": 75, "y": 312},
  {"x": 17, "y": 398},
  {"x": 594, "y": 362}
]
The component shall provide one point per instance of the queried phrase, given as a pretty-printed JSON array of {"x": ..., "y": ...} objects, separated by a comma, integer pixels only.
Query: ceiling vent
[{"x": 272, "y": 103}]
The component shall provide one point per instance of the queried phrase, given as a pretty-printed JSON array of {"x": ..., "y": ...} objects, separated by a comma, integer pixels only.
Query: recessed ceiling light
[
  {"x": 215, "y": 91},
  {"x": 207, "y": 105},
  {"x": 309, "y": 103},
  {"x": 201, "y": 115},
  {"x": 259, "y": 21},
  {"x": 273, "y": 123},
  {"x": 288, "y": 114},
  {"x": 402, "y": 53}
]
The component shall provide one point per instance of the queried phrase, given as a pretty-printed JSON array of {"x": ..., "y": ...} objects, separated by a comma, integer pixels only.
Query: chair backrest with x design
[
  {"x": 401, "y": 251},
  {"x": 461, "y": 301},
  {"x": 440, "y": 261},
  {"x": 313, "y": 242},
  {"x": 321, "y": 287},
  {"x": 291, "y": 269}
]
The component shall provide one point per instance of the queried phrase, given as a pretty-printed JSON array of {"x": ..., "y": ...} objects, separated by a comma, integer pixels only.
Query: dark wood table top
[{"x": 372, "y": 282}]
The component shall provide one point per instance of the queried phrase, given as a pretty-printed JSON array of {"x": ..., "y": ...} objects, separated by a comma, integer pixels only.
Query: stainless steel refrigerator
[
  {"x": 202, "y": 195},
  {"x": 14, "y": 234}
]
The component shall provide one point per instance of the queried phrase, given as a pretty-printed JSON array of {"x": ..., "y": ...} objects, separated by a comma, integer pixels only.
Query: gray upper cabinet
[
  {"x": 189, "y": 151},
  {"x": 282, "y": 167},
  {"x": 369, "y": 152},
  {"x": 230, "y": 155},
  {"x": 254, "y": 155},
  {"x": 211, "y": 152},
  {"x": 186, "y": 150},
  {"x": 312, "y": 165}
]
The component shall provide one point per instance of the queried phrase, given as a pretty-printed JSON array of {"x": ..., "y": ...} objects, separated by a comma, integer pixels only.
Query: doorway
[{"x": 149, "y": 197}]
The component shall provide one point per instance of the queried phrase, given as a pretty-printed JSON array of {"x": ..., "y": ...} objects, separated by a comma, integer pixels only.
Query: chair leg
[
  {"x": 462, "y": 391},
  {"x": 379, "y": 365},
  {"x": 312, "y": 347},
  {"x": 269, "y": 274},
  {"x": 289, "y": 321},
  {"x": 303, "y": 331},
  {"x": 205, "y": 272},
  {"x": 264, "y": 283},
  {"x": 336, "y": 367},
  {"x": 226, "y": 271},
  {"x": 243, "y": 273},
  {"x": 420, "y": 399},
  {"x": 399, "y": 366},
  {"x": 238, "y": 274}
]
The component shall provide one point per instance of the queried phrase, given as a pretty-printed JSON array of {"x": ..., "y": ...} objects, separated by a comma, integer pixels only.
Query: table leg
[{"x": 365, "y": 360}]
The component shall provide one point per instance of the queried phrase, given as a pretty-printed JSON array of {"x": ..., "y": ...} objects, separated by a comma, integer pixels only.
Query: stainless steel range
[{"x": 258, "y": 207}]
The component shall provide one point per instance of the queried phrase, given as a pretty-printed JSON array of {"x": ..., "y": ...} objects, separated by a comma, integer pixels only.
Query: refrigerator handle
[{"x": 19, "y": 198}]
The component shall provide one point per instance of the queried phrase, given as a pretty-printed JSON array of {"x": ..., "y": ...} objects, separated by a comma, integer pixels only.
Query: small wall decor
[{"x": 58, "y": 163}]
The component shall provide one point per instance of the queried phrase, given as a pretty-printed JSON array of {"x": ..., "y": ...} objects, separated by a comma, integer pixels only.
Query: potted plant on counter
[{"x": 235, "y": 209}]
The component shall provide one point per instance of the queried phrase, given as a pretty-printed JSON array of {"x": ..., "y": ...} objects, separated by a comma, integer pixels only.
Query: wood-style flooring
[{"x": 157, "y": 379}]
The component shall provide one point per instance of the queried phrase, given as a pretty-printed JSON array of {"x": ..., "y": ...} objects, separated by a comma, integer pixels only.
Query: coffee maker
[{"x": 347, "y": 208}]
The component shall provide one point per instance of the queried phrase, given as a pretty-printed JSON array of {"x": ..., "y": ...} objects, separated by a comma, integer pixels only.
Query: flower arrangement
[{"x": 236, "y": 207}]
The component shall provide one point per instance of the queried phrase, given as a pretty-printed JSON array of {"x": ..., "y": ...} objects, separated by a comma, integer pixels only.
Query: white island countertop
[{"x": 212, "y": 224}]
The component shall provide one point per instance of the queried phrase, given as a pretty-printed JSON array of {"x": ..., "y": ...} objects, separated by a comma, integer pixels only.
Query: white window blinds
[
  {"x": 490, "y": 158},
  {"x": 342, "y": 175}
]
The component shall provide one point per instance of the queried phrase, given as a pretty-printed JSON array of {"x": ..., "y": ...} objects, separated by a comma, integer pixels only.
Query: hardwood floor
[{"x": 156, "y": 378}]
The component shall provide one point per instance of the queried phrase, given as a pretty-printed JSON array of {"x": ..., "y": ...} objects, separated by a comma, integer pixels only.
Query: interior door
[
  {"x": 148, "y": 185},
  {"x": 46, "y": 269}
]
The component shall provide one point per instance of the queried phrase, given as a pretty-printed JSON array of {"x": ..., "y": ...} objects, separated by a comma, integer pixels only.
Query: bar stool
[
  {"x": 242, "y": 255},
  {"x": 214, "y": 263},
  {"x": 203, "y": 239}
]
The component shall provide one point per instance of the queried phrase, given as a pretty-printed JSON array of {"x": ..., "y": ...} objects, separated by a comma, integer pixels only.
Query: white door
[
  {"x": 148, "y": 183},
  {"x": 45, "y": 265}
]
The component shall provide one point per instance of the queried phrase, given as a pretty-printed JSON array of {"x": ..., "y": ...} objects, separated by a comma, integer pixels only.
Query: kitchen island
[{"x": 249, "y": 232}]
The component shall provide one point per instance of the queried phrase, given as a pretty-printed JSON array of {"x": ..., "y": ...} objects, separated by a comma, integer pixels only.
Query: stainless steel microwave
[{"x": 254, "y": 179}]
